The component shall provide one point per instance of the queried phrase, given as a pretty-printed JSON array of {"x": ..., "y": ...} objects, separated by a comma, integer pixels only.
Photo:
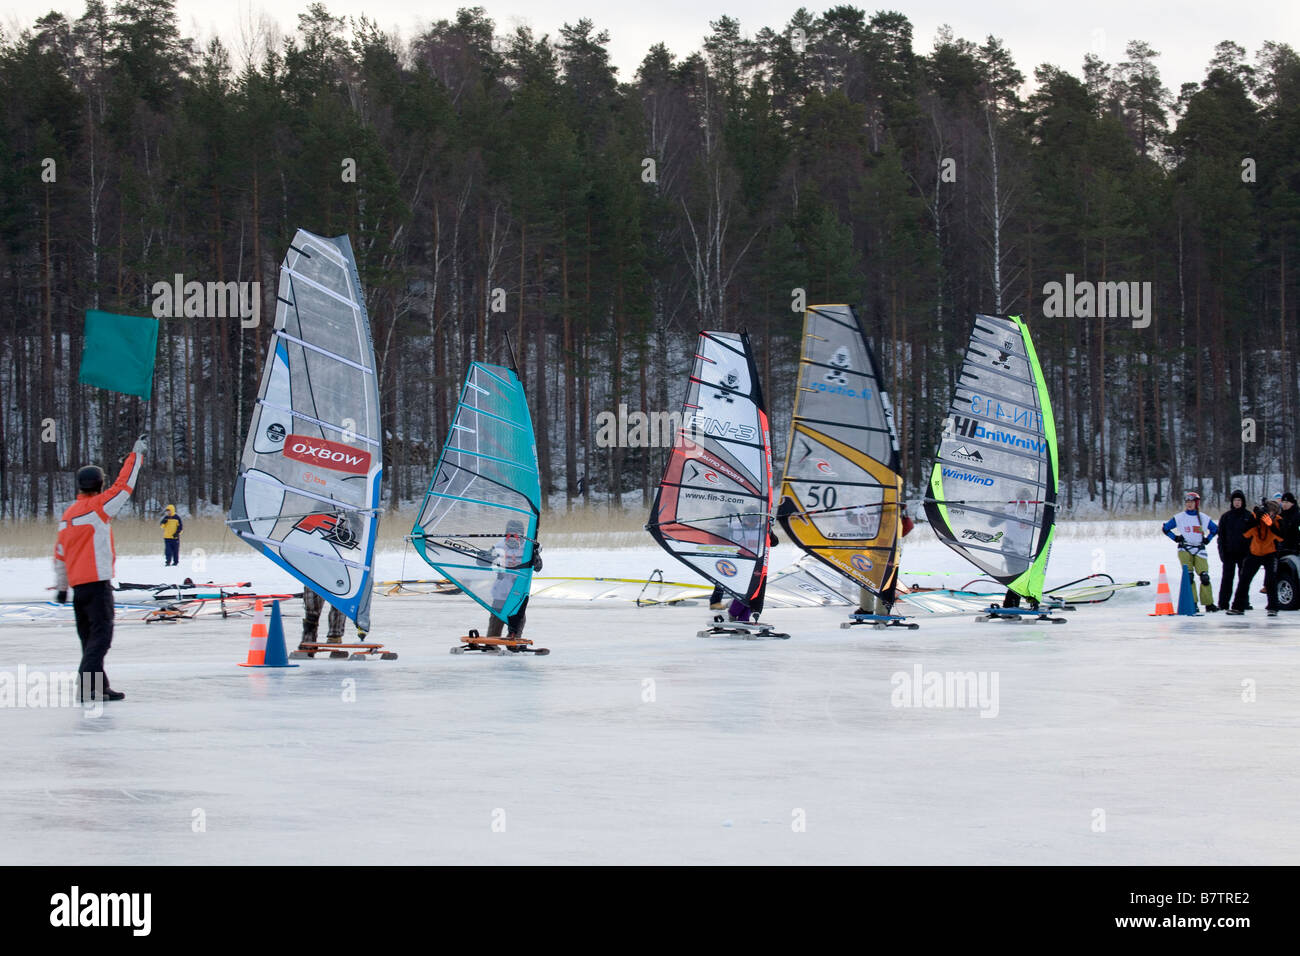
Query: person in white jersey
[{"x": 1192, "y": 532}]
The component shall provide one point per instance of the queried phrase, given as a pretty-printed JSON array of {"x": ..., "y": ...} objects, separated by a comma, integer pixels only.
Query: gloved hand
[
  {"x": 61, "y": 597},
  {"x": 141, "y": 445},
  {"x": 1180, "y": 540},
  {"x": 537, "y": 562}
]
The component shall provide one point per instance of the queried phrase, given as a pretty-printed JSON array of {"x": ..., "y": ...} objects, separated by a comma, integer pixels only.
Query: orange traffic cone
[
  {"x": 257, "y": 641},
  {"x": 1164, "y": 598}
]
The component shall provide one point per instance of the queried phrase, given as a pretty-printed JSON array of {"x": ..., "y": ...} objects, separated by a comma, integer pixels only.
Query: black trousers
[
  {"x": 1252, "y": 564},
  {"x": 171, "y": 550},
  {"x": 92, "y": 605},
  {"x": 516, "y": 623},
  {"x": 312, "y": 605},
  {"x": 1232, "y": 567}
]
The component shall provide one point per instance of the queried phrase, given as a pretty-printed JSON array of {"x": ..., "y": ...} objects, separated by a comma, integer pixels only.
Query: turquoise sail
[{"x": 478, "y": 523}]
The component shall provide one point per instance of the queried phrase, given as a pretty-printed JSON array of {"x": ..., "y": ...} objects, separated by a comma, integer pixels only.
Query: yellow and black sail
[{"x": 841, "y": 492}]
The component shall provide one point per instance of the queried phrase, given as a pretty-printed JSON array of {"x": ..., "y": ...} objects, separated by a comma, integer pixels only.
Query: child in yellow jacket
[{"x": 172, "y": 526}]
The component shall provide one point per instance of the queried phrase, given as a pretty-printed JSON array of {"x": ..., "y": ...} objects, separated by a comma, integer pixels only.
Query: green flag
[{"x": 119, "y": 353}]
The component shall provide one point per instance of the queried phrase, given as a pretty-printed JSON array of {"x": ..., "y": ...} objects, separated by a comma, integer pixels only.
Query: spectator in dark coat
[
  {"x": 1234, "y": 549},
  {"x": 1288, "y": 525}
]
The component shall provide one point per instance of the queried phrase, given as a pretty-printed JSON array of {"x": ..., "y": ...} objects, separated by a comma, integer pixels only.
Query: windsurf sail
[
  {"x": 307, "y": 495},
  {"x": 713, "y": 507},
  {"x": 992, "y": 495},
  {"x": 841, "y": 490},
  {"x": 478, "y": 523}
]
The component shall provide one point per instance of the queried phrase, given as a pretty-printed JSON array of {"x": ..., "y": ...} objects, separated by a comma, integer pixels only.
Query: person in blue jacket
[{"x": 1192, "y": 532}]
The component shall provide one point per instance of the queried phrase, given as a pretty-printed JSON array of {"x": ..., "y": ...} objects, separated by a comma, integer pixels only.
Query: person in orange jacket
[
  {"x": 1262, "y": 531},
  {"x": 83, "y": 560}
]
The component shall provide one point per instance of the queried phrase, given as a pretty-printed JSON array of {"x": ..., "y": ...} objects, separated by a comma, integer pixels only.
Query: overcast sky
[{"x": 1036, "y": 31}]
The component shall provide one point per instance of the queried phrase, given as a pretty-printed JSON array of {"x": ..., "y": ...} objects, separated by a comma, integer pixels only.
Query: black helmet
[{"x": 90, "y": 478}]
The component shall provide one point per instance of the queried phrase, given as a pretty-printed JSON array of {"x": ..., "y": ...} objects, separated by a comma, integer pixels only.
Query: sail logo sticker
[
  {"x": 1026, "y": 418},
  {"x": 967, "y": 454},
  {"x": 334, "y": 528},
  {"x": 840, "y": 361},
  {"x": 730, "y": 380},
  {"x": 710, "y": 476},
  {"x": 840, "y": 389},
  {"x": 825, "y": 468},
  {"x": 725, "y": 568},
  {"x": 699, "y": 425},
  {"x": 984, "y": 536},
  {"x": 984, "y": 480},
  {"x": 275, "y": 432},
  {"x": 861, "y": 562},
  {"x": 327, "y": 454},
  {"x": 969, "y": 428}
]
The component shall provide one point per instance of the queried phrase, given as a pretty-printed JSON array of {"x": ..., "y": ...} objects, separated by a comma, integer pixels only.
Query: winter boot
[{"x": 336, "y": 639}]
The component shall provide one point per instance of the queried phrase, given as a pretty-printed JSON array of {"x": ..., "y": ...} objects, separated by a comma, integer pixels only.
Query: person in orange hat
[{"x": 84, "y": 559}]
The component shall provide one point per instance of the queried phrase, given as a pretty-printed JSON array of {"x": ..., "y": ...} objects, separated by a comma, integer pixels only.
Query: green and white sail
[
  {"x": 992, "y": 495},
  {"x": 307, "y": 495},
  {"x": 478, "y": 523}
]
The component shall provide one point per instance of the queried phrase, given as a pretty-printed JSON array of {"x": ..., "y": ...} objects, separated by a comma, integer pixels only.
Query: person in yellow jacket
[{"x": 172, "y": 526}]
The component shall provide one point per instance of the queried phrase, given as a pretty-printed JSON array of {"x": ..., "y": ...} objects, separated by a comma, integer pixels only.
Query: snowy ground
[{"x": 637, "y": 742}]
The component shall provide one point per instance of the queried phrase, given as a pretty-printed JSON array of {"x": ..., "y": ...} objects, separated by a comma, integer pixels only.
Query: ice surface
[{"x": 716, "y": 761}]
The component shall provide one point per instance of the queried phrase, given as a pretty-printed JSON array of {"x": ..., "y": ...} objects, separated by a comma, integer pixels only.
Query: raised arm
[{"x": 115, "y": 498}]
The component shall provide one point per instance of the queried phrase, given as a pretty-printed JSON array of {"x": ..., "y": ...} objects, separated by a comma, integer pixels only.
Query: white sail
[{"x": 307, "y": 495}]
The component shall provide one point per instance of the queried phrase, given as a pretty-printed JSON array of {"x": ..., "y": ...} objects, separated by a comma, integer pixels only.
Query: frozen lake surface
[{"x": 637, "y": 742}]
